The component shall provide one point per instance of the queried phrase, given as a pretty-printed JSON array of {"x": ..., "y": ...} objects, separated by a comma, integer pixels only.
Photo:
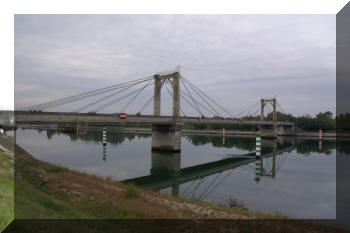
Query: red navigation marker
[{"x": 122, "y": 116}]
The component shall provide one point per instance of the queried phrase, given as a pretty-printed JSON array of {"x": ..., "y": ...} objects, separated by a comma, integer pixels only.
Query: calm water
[{"x": 299, "y": 183}]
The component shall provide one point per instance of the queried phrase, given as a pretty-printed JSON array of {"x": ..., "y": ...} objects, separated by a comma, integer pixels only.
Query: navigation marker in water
[
  {"x": 258, "y": 144},
  {"x": 257, "y": 157},
  {"x": 320, "y": 140},
  {"x": 104, "y": 152},
  {"x": 104, "y": 136},
  {"x": 104, "y": 143}
]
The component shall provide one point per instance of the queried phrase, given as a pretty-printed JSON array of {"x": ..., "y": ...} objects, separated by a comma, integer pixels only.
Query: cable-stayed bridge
[{"x": 165, "y": 129}]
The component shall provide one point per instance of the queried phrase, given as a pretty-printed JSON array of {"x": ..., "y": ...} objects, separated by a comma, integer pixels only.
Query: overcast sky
[{"x": 237, "y": 59}]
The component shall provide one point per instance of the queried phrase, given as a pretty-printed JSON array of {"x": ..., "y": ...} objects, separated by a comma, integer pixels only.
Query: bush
[{"x": 131, "y": 191}]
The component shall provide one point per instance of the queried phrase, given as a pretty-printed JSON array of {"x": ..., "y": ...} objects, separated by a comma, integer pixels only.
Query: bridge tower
[
  {"x": 266, "y": 130},
  {"x": 167, "y": 136},
  {"x": 265, "y": 102},
  {"x": 159, "y": 80}
]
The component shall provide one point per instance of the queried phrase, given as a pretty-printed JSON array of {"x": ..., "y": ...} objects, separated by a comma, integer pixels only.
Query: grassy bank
[
  {"x": 57, "y": 192},
  {"x": 46, "y": 191},
  {"x": 6, "y": 189}
]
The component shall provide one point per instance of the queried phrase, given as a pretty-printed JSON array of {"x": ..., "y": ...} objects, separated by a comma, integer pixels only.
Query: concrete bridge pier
[
  {"x": 167, "y": 164},
  {"x": 166, "y": 137},
  {"x": 268, "y": 131},
  {"x": 272, "y": 131},
  {"x": 286, "y": 130}
]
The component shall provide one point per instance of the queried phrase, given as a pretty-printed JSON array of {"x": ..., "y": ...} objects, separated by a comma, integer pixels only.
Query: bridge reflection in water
[{"x": 166, "y": 171}]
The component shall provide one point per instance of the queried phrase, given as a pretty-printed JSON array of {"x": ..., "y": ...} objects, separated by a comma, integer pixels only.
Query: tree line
[{"x": 306, "y": 122}]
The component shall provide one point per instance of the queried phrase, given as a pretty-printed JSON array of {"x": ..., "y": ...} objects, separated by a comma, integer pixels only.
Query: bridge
[
  {"x": 25, "y": 117},
  {"x": 165, "y": 129}
]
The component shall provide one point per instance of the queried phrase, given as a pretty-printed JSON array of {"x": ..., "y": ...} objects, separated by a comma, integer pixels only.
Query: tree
[{"x": 327, "y": 116}]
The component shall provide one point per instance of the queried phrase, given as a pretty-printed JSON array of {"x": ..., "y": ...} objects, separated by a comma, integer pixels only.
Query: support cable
[
  {"x": 73, "y": 98},
  {"x": 146, "y": 104},
  {"x": 245, "y": 110},
  {"x": 59, "y": 103},
  {"x": 203, "y": 106},
  {"x": 192, "y": 97},
  {"x": 135, "y": 96},
  {"x": 115, "y": 101},
  {"x": 172, "y": 96},
  {"x": 225, "y": 110},
  {"x": 207, "y": 102},
  {"x": 256, "y": 113},
  {"x": 188, "y": 188},
  {"x": 280, "y": 163},
  {"x": 108, "y": 96},
  {"x": 222, "y": 180},
  {"x": 195, "y": 189},
  {"x": 187, "y": 101},
  {"x": 249, "y": 113},
  {"x": 210, "y": 185},
  {"x": 280, "y": 107}
]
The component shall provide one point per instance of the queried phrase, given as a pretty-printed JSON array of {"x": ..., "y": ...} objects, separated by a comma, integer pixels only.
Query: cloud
[{"x": 235, "y": 58}]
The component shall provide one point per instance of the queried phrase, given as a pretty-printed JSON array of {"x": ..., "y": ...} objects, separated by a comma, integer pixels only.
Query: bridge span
[{"x": 30, "y": 117}]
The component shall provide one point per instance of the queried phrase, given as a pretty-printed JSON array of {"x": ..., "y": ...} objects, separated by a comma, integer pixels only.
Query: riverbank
[
  {"x": 89, "y": 196},
  {"x": 6, "y": 189},
  {"x": 46, "y": 191}
]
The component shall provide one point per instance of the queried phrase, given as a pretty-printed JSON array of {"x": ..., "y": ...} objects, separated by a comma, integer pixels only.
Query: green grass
[
  {"x": 45, "y": 206},
  {"x": 6, "y": 190},
  {"x": 131, "y": 191}
]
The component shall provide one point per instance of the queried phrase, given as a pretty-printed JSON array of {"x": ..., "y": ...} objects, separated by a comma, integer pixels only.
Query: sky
[{"x": 235, "y": 59}]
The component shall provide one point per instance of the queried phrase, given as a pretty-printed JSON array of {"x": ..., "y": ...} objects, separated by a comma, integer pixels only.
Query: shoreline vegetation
[{"x": 47, "y": 191}]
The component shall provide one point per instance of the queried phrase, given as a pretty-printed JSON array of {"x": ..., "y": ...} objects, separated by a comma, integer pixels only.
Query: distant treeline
[
  {"x": 322, "y": 120},
  {"x": 343, "y": 122}
]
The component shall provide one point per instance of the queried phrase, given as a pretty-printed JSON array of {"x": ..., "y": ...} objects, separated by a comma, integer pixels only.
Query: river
[{"x": 297, "y": 179}]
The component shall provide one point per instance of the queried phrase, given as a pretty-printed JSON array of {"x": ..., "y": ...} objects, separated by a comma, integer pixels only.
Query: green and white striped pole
[
  {"x": 257, "y": 157},
  {"x": 104, "y": 136},
  {"x": 104, "y": 152},
  {"x": 104, "y": 143}
]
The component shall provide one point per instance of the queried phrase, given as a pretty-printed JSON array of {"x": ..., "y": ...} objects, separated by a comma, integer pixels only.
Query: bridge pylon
[
  {"x": 268, "y": 131},
  {"x": 174, "y": 79},
  {"x": 167, "y": 136}
]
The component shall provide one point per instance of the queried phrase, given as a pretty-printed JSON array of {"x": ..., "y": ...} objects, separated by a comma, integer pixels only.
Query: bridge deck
[{"x": 25, "y": 117}]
